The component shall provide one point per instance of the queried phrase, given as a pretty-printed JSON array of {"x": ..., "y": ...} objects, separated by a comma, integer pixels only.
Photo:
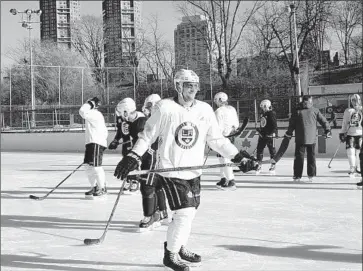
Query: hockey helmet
[
  {"x": 125, "y": 107},
  {"x": 149, "y": 103},
  {"x": 265, "y": 105},
  {"x": 220, "y": 98},
  {"x": 355, "y": 101},
  {"x": 182, "y": 76}
]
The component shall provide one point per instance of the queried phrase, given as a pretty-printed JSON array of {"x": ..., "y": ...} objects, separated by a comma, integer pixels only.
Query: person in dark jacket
[
  {"x": 304, "y": 122},
  {"x": 267, "y": 132}
]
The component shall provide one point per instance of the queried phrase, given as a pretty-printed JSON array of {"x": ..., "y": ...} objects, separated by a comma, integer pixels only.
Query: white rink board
[{"x": 268, "y": 223}]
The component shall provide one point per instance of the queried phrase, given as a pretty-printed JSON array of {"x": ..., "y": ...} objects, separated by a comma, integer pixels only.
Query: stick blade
[
  {"x": 90, "y": 242},
  {"x": 34, "y": 197}
]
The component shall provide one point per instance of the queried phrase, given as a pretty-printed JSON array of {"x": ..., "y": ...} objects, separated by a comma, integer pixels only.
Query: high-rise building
[
  {"x": 56, "y": 20},
  {"x": 121, "y": 22},
  {"x": 191, "y": 46}
]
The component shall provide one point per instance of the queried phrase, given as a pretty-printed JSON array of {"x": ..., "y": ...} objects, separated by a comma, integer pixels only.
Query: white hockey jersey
[
  {"x": 96, "y": 130},
  {"x": 182, "y": 134},
  {"x": 227, "y": 119},
  {"x": 352, "y": 122}
]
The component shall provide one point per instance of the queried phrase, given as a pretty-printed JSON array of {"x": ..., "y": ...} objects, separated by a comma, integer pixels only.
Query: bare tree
[
  {"x": 87, "y": 39},
  {"x": 227, "y": 26},
  {"x": 347, "y": 20}
]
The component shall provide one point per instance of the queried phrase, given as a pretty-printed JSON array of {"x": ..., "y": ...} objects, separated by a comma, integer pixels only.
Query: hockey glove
[
  {"x": 242, "y": 154},
  {"x": 342, "y": 137},
  {"x": 327, "y": 134},
  {"x": 94, "y": 102},
  {"x": 113, "y": 145},
  {"x": 127, "y": 164},
  {"x": 248, "y": 165}
]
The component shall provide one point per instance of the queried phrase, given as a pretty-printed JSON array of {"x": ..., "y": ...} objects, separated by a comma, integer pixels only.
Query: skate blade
[
  {"x": 219, "y": 187},
  {"x": 88, "y": 197},
  {"x": 229, "y": 189},
  {"x": 273, "y": 172},
  {"x": 141, "y": 230},
  {"x": 169, "y": 269},
  {"x": 103, "y": 197}
]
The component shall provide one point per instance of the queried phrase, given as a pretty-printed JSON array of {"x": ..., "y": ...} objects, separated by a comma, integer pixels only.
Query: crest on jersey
[
  {"x": 355, "y": 119},
  {"x": 263, "y": 122},
  {"x": 186, "y": 135},
  {"x": 125, "y": 128}
]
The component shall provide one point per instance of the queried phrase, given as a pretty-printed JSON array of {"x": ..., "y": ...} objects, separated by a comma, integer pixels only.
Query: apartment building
[
  {"x": 121, "y": 21},
  {"x": 191, "y": 46},
  {"x": 56, "y": 20}
]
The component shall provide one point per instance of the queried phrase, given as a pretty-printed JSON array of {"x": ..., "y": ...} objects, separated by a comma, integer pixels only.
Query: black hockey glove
[
  {"x": 327, "y": 134},
  {"x": 342, "y": 137},
  {"x": 113, "y": 145},
  {"x": 127, "y": 164},
  {"x": 94, "y": 102},
  {"x": 249, "y": 163}
]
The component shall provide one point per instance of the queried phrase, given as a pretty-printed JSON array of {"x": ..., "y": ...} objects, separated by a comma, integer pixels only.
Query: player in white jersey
[
  {"x": 351, "y": 132},
  {"x": 228, "y": 122},
  {"x": 183, "y": 126},
  {"x": 96, "y": 142}
]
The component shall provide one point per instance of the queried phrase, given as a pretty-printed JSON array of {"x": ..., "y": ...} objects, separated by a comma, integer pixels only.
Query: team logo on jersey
[
  {"x": 125, "y": 128},
  {"x": 263, "y": 122},
  {"x": 355, "y": 119},
  {"x": 186, "y": 135}
]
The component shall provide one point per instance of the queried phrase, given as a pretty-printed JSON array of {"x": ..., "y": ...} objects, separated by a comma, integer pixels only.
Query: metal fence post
[{"x": 59, "y": 86}]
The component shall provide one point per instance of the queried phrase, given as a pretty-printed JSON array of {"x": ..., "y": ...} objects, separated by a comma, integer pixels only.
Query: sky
[{"x": 12, "y": 32}]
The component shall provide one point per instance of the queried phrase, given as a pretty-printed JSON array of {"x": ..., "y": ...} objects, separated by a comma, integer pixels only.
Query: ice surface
[{"x": 268, "y": 223}]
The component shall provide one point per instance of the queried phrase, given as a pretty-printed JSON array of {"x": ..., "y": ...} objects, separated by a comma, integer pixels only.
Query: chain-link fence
[{"x": 67, "y": 116}]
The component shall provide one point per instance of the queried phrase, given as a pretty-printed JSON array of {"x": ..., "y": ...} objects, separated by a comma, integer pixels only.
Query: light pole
[
  {"x": 27, "y": 24},
  {"x": 297, "y": 71}
]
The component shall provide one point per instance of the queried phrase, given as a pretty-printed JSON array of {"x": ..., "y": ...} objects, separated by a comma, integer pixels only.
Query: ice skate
[
  {"x": 189, "y": 256},
  {"x": 258, "y": 170},
  {"x": 150, "y": 222},
  {"x": 359, "y": 185},
  {"x": 100, "y": 193},
  {"x": 296, "y": 179},
  {"x": 172, "y": 263},
  {"x": 310, "y": 179},
  {"x": 222, "y": 181},
  {"x": 272, "y": 169},
  {"x": 230, "y": 185},
  {"x": 89, "y": 194},
  {"x": 351, "y": 172}
]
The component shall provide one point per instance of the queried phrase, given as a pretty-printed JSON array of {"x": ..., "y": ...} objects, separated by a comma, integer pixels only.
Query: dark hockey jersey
[{"x": 268, "y": 123}]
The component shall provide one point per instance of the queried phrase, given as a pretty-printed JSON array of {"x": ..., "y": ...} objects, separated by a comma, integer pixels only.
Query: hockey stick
[
  {"x": 97, "y": 241},
  {"x": 240, "y": 129},
  {"x": 334, "y": 155},
  {"x": 161, "y": 170},
  {"x": 207, "y": 156},
  {"x": 51, "y": 191}
]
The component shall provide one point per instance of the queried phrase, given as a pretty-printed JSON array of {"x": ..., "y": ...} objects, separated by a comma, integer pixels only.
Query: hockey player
[
  {"x": 228, "y": 122},
  {"x": 96, "y": 141},
  {"x": 351, "y": 132},
  {"x": 304, "y": 123},
  {"x": 153, "y": 201},
  {"x": 129, "y": 123},
  {"x": 183, "y": 126},
  {"x": 267, "y": 132}
]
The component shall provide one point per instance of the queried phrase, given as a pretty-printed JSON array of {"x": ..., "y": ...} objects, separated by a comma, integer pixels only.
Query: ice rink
[{"x": 268, "y": 223}]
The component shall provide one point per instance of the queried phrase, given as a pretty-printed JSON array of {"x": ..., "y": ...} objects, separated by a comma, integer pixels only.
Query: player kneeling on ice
[
  {"x": 228, "y": 122},
  {"x": 183, "y": 125},
  {"x": 153, "y": 200},
  {"x": 96, "y": 141},
  {"x": 351, "y": 133},
  {"x": 267, "y": 132},
  {"x": 129, "y": 123}
]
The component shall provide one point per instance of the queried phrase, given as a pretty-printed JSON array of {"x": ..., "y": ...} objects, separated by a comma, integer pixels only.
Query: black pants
[
  {"x": 299, "y": 160},
  {"x": 261, "y": 144}
]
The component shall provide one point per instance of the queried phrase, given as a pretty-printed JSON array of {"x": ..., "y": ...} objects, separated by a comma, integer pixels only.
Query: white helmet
[
  {"x": 265, "y": 105},
  {"x": 149, "y": 103},
  {"x": 356, "y": 102},
  {"x": 220, "y": 98},
  {"x": 183, "y": 75},
  {"x": 125, "y": 107}
]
